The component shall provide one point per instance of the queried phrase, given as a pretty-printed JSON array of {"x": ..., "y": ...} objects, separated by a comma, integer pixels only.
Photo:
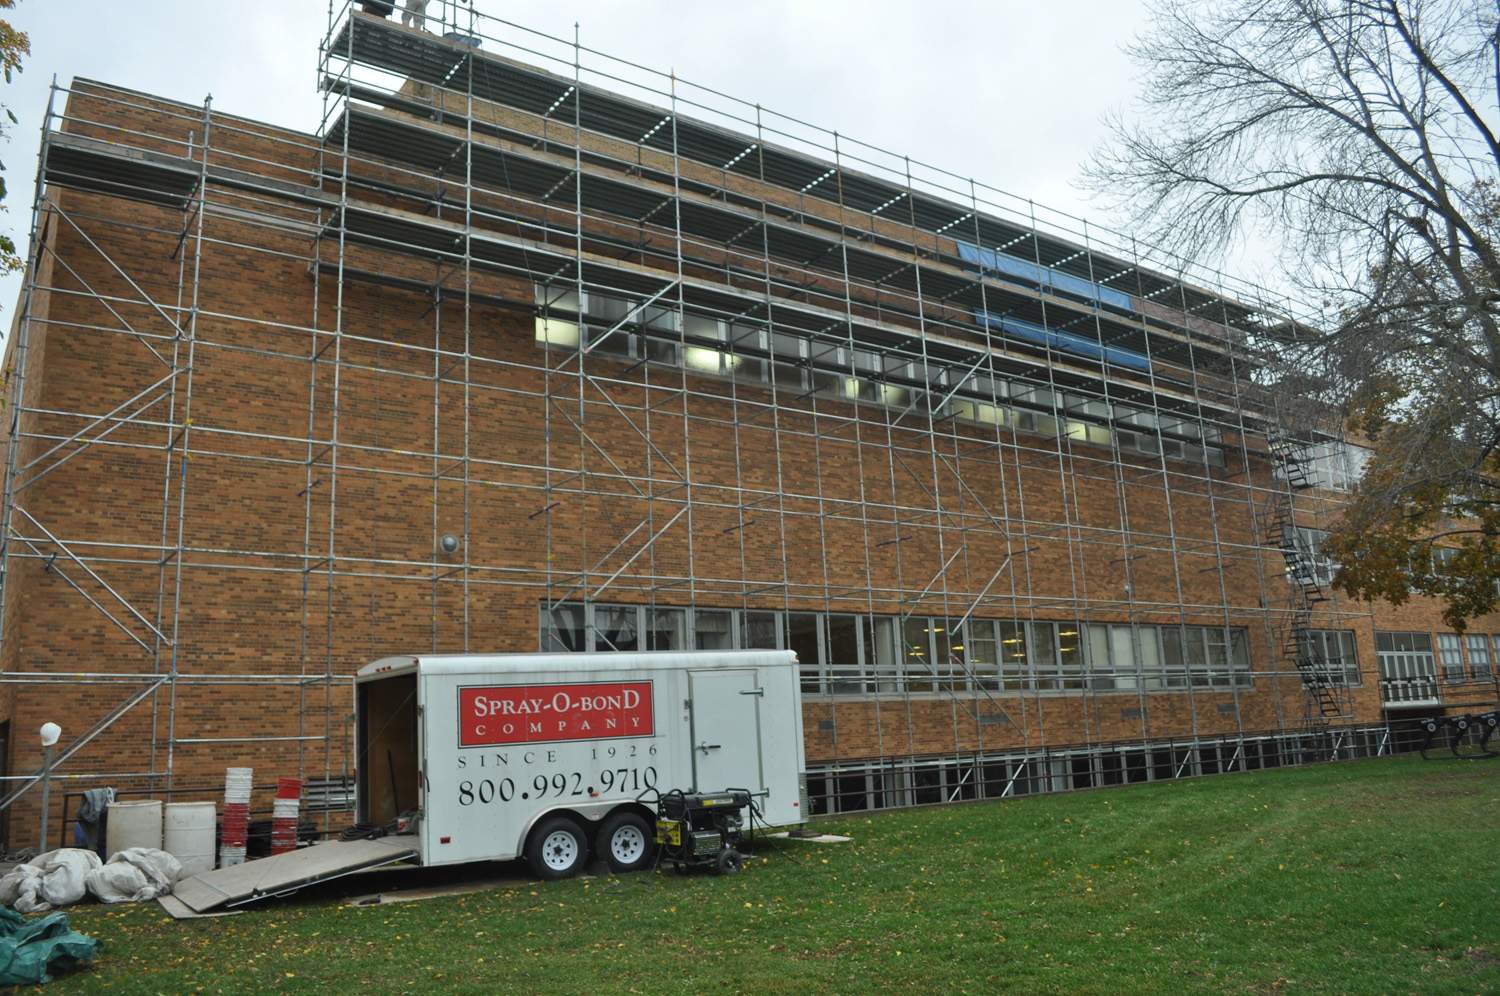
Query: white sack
[
  {"x": 135, "y": 874},
  {"x": 57, "y": 878},
  {"x": 18, "y": 889}
]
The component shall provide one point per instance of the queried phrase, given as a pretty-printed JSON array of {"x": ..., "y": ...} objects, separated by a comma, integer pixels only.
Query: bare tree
[{"x": 1360, "y": 139}]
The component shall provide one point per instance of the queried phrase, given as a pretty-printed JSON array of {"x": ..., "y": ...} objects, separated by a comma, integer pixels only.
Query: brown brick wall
[{"x": 851, "y": 516}]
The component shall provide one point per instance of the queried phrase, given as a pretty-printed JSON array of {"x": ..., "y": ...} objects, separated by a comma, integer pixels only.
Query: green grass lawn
[{"x": 1371, "y": 876}]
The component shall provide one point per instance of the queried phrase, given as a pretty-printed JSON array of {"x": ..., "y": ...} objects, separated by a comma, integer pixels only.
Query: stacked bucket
[
  {"x": 236, "y": 816},
  {"x": 284, "y": 815}
]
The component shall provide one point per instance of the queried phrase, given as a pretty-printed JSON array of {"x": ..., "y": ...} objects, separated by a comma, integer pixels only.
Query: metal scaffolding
[{"x": 925, "y": 332}]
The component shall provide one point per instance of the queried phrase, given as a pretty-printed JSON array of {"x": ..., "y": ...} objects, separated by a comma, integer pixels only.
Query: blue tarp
[
  {"x": 1043, "y": 276},
  {"x": 1066, "y": 341}
]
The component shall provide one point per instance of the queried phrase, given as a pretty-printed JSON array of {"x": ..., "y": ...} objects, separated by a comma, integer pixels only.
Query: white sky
[{"x": 1010, "y": 93}]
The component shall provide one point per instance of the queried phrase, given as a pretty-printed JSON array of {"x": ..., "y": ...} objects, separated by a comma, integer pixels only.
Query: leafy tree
[
  {"x": 14, "y": 45},
  {"x": 1359, "y": 138}
]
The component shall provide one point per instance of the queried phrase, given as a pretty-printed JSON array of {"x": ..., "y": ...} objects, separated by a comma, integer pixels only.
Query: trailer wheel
[
  {"x": 625, "y": 840},
  {"x": 557, "y": 848}
]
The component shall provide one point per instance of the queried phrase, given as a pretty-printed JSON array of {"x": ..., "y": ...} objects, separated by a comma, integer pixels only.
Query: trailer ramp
[{"x": 284, "y": 873}]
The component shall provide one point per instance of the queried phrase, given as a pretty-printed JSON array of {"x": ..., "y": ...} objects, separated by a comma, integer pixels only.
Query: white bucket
[
  {"x": 188, "y": 835},
  {"x": 237, "y": 784},
  {"x": 133, "y": 824}
]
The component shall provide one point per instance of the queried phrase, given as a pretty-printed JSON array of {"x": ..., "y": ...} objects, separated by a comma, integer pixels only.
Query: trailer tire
[
  {"x": 558, "y": 848},
  {"x": 626, "y": 842}
]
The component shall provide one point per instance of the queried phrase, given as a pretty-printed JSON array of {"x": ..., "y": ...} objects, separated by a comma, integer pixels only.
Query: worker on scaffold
[{"x": 413, "y": 12}]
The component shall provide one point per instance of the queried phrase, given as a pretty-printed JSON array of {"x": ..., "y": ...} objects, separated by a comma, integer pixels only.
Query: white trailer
[{"x": 551, "y": 757}]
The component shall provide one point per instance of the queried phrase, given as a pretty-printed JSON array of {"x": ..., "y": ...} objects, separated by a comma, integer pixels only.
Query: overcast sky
[{"x": 1010, "y": 93}]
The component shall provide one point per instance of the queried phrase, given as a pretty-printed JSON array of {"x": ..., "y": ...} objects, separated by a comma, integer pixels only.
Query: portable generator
[{"x": 701, "y": 829}]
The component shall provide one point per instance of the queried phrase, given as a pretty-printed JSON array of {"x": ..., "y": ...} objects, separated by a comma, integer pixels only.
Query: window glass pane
[
  {"x": 1174, "y": 664},
  {"x": 557, "y": 297},
  {"x": 1479, "y": 656},
  {"x": 843, "y": 655},
  {"x": 1450, "y": 653},
  {"x": 553, "y": 332},
  {"x": 1013, "y": 655},
  {"x": 617, "y": 627},
  {"x": 713, "y": 629},
  {"x": 666, "y": 629},
  {"x": 607, "y": 307},
  {"x": 1148, "y": 639},
  {"x": 699, "y": 327},
  {"x": 1122, "y": 656},
  {"x": 1239, "y": 659},
  {"x": 883, "y": 653},
  {"x": 617, "y": 343},
  {"x": 562, "y": 628},
  {"x": 1070, "y": 654},
  {"x": 802, "y": 639},
  {"x": 1217, "y": 656},
  {"x": 1042, "y": 648},
  {"x": 983, "y": 653},
  {"x": 1100, "y": 666},
  {"x": 951, "y": 664},
  {"x": 919, "y": 676},
  {"x": 758, "y": 631},
  {"x": 660, "y": 351}
]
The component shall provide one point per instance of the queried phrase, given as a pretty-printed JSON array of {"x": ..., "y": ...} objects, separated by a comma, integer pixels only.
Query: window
[
  {"x": 1408, "y": 673},
  {"x": 1041, "y": 646},
  {"x": 1014, "y": 668},
  {"x": 1450, "y": 652},
  {"x": 713, "y": 629},
  {"x": 1479, "y": 656},
  {"x": 758, "y": 631},
  {"x": 950, "y": 660},
  {"x": 558, "y": 309},
  {"x": 883, "y": 652},
  {"x": 562, "y": 628},
  {"x": 802, "y": 639},
  {"x": 983, "y": 654},
  {"x": 1331, "y": 652},
  {"x": 667, "y": 629},
  {"x": 617, "y": 627},
  {"x": 1070, "y": 654},
  {"x": 1148, "y": 641},
  {"x": 917, "y": 638},
  {"x": 1443, "y": 558},
  {"x": 1310, "y": 565},
  {"x": 842, "y": 645}
]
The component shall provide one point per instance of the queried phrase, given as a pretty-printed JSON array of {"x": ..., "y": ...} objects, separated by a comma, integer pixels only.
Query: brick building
[{"x": 511, "y": 356}]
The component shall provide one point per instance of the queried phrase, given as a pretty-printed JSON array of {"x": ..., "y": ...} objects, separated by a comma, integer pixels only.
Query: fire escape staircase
[{"x": 1309, "y": 589}]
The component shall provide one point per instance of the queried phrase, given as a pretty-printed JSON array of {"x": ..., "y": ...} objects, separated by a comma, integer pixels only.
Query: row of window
[
  {"x": 1409, "y": 668},
  {"x": 844, "y": 654},
  {"x": 1452, "y": 649},
  {"x": 792, "y": 363}
]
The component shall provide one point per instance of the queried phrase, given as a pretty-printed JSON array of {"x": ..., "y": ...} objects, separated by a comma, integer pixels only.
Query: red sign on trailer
[{"x": 530, "y": 714}]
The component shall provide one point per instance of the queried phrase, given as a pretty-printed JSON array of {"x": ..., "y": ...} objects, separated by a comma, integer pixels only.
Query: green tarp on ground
[{"x": 31, "y": 950}]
